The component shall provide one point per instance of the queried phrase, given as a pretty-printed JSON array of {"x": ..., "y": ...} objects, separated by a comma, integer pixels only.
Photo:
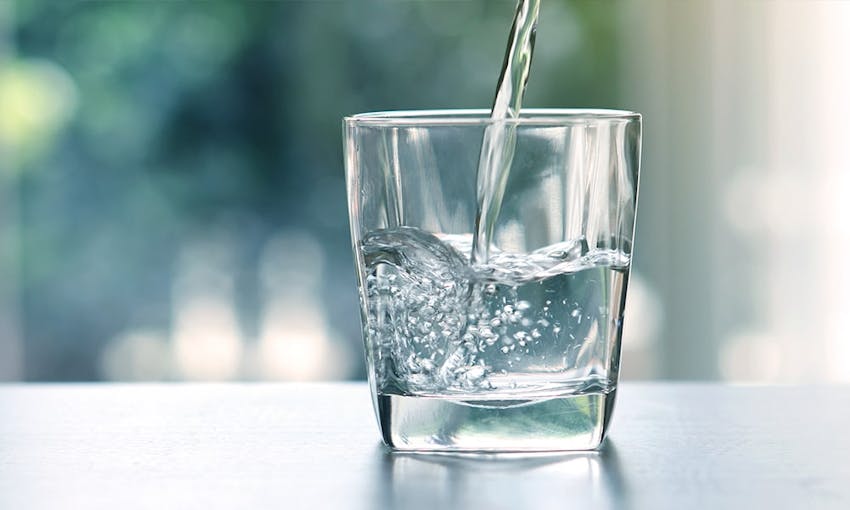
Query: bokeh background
[{"x": 172, "y": 200}]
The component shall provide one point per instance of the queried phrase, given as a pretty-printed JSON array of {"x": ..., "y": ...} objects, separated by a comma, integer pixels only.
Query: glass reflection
[{"x": 540, "y": 481}]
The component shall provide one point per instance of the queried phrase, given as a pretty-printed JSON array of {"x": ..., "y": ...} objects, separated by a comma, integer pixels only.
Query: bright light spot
[
  {"x": 207, "y": 343},
  {"x": 295, "y": 345},
  {"x": 137, "y": 355},
  {"x": 206, "y": 339},
  {"x": 36, "y": 98},
  {"x": 296, "y": 342}
]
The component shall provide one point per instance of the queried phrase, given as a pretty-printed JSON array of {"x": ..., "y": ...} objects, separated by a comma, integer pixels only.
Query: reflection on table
[{"x": 540, "y": 481}]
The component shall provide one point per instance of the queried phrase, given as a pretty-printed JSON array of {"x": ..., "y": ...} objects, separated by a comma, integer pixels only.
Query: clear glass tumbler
[{"x": 492, "y": 304}]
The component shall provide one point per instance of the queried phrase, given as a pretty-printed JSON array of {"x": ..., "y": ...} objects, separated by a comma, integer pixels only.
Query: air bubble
[
  {"x": 432, "y": 322},
  {"x": 475, "y": 373}
]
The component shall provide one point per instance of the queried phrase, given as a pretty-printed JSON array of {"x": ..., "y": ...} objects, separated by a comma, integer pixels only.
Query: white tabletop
[{"x": 316, "y": 446}]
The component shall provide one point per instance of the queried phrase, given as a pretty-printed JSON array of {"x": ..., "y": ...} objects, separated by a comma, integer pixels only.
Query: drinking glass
[{"x": 492, "y": 299}]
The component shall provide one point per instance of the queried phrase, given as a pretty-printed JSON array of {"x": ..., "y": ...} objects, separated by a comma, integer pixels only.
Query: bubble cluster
[{"x": 435, "y": 324}]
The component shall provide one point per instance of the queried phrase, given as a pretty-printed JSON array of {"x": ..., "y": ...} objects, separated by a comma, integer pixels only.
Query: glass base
[{"x": 543, "y": 424}]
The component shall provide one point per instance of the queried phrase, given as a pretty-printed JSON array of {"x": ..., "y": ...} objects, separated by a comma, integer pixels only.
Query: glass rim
[{"x": 481, "y": 117}]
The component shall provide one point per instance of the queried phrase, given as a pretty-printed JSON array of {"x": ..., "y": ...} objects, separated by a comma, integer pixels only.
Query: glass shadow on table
[{"x": 539, "y": 481}]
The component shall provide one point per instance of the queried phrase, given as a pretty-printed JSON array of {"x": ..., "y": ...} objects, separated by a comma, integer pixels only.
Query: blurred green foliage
[{"x": 168, "y": 121}]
